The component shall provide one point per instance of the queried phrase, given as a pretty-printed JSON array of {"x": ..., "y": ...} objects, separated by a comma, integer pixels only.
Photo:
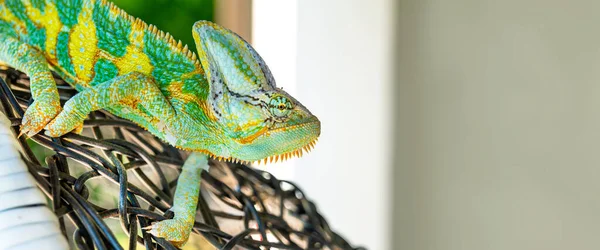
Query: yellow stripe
[
  {"x": 134, "y": 59},
  {"x": 83, "y": 44},
  {"x": 8, "y": 16},
  {"x": 51, "y": 22}
]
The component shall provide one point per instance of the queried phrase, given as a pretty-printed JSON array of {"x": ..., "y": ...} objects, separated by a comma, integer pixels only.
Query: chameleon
[{"x": 221, "y": 102}]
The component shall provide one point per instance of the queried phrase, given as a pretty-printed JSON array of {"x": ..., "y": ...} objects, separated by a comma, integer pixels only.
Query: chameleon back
[{"x": 90, "y": 41}]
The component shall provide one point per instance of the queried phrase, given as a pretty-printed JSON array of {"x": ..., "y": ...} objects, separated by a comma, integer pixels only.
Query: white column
[
  {"x": 335, "y": 57},
  {"x": 344, "y": 77},
  {"x": 274, "y": 33}
]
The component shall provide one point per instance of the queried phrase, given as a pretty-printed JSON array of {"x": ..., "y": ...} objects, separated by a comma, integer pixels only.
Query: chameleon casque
[{"x": 222, "y": 102}]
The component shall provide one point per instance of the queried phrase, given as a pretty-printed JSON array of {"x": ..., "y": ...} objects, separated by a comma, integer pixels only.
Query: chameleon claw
[
  {"x": 21, "y": 132},
  {"x": 37, "y": 115},
  {"x": 78, "y": 129},
  {"x": 59, "y": 127},
  {"x": 26, "y": 132},
  {"x": 31, "y": 133},
  {"x": 150, "y": 229},
  {"x": 173, "y": 230}
]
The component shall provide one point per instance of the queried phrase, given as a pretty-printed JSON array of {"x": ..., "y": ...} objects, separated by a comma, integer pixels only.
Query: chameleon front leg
[
  {"x": 134, "y": 87},
  {"x": 178, "y": 229},
  {"x": 46, "y": 104}
]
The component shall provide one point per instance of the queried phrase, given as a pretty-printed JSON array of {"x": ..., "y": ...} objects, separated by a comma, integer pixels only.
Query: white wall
[
  {"x": 498, "y": 125},
  {"x": 344, "y": 77},
  {"x": 274, "y": 32}
]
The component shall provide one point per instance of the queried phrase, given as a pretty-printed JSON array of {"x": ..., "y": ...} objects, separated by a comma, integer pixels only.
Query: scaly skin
[{"x": 222, "y": 103}]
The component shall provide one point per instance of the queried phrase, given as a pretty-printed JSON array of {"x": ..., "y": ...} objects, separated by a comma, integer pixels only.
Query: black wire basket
[{"x": 135, "y": 174}]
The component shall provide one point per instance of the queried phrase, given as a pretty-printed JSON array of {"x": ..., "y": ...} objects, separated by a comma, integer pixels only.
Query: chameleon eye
[{"x": 279, "y": 106}]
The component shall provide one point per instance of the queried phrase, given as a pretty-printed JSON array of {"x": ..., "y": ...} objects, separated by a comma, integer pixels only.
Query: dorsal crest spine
[{"x": 155, "y": 31}]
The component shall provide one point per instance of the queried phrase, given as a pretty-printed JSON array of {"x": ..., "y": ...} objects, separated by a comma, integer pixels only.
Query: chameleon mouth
[
  {"x": 285, "y": 156},
  {"x": 274, "y": 158}
]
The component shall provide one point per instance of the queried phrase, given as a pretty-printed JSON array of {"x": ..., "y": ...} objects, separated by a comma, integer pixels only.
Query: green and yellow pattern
[{"x": 222, "y": 101}]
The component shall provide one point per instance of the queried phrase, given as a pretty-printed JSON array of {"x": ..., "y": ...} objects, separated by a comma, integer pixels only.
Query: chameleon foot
[
  {"x": 78, "y": 129},
  {"x": 178, "y": 229},
  {"x": 58, "y": 127},
  {"x": 37, "y": 115},
  {"x": 175, "y": 230},
  {"x": 71, "y": 118}
]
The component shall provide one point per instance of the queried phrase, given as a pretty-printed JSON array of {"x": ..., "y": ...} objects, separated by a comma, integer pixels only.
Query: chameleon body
[{"x": 221, "y": 102}]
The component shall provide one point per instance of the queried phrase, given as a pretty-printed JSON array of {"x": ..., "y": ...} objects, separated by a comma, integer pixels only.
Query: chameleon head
[{"x": 255, "y": 119}]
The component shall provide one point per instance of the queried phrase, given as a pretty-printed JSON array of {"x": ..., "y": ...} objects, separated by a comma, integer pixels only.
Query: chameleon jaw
[
  {"x": 270, "y": 159},
  {"x": 285, "y": 156},
  {"x": 268, "y": 145},
  {"x": 274, "y": 158}
]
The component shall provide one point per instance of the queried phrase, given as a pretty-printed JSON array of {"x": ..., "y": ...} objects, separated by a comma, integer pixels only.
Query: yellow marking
[
  {"x": 136, "y": 36},
  {"x": 196, "y": 71},
  {"x": 103, "y": 54},
  {"x": 134, "y": 59},
  {"x": 245, "y": 127},
  {"x": 115, "y": 11},
  {"x": 83, "y": 45},
  {"x": 8, "y": 16},
  {"x": 49, "y": 20},
  {"x": 131, "y": 102},
  {"x": 252, "y": 137},
  {"x": 175, "y": 91}
]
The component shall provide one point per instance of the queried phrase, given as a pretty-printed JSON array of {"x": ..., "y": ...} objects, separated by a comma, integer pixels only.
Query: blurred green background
[{"x": 173, "y": 16}]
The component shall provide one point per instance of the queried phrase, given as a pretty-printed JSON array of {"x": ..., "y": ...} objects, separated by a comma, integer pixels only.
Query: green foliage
[{"x": 173, "y": 16}]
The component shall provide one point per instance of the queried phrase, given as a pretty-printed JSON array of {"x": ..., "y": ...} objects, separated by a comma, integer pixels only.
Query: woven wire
[{"x": 239, "y": 207}]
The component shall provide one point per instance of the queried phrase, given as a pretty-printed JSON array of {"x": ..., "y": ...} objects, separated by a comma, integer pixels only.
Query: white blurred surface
[
  {"x": 343, "y": 75},
  {"x": 274, "y": 33}
]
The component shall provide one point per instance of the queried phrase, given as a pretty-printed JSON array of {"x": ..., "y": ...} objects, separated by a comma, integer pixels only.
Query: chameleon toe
[
  {"x": 37, "y": 116},
  {"x": 56, "y": 129},
  {"x": 173, "y": 230}
]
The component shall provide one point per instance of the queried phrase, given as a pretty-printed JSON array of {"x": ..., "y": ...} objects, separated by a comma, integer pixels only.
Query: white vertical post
[
  {"x": 335, "y": 56},
  {"x": 274, "y": 32},
  {"x": 345, "y": 78}
]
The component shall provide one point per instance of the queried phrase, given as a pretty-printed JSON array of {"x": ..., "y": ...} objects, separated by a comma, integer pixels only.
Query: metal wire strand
[{"x": 269, "y": 213}]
